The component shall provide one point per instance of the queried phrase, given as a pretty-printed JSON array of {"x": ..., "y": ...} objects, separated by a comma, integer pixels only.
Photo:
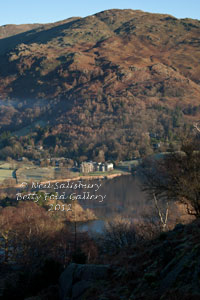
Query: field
[
  {"x": 35, "y": 174},
  {"x": 6, "y": 171},
  {"x": 5, "y": 174}
]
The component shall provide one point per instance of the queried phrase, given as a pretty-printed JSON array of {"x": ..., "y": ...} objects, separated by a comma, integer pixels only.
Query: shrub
[{"x": 117, "y": 234}]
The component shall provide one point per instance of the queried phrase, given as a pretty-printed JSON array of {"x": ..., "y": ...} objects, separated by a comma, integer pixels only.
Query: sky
[{"x": 45, "y": 11}]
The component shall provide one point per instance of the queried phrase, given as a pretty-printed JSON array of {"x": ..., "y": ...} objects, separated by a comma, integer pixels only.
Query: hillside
[
  {"x": 101, "y": 84},
  {"x": 165, "y": 268}
]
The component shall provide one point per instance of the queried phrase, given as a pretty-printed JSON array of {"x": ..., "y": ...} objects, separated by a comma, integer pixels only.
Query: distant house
[
  {"x": 156, "y": 146},
  {"x": 102, "y": 167},
  {"x": 97, "y": 167},
  {"x": 75, "y": 164},
  {"x": 39, "y": 147},
  {"x": 154, "y": 135},
  {"x": 29, "y": 147},
  {"x": 109, "y": 166},
  {"x": 87, "y": 167}
]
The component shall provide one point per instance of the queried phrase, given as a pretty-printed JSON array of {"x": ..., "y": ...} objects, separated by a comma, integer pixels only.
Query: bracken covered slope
[
  {"x": 121, "y": 69},
  {"x": 113, "y": 50}
]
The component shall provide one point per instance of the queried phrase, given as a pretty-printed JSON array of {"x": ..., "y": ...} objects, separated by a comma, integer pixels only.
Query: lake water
[
  {"x": 123, "y": 198},
  {"x": 120, "y": 196}
]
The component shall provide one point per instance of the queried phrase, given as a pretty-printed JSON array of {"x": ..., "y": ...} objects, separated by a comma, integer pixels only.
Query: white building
[{"x": 109, "y": 166}]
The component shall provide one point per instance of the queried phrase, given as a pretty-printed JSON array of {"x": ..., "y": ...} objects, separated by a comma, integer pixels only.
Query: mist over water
[
  {"x": 4, "y": 102},
  {"x": 123, "y": 197},
  {"x": 24, "y": 103}
]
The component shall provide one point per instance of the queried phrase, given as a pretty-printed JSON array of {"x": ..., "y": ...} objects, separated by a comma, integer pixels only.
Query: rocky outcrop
[{"x": 77, "y": 279}]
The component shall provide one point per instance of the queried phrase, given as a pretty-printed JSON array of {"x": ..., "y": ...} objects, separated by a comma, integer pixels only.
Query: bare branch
[{"x": 196, "y": 127}]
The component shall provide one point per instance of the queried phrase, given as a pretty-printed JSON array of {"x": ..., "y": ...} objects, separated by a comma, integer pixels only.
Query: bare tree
[
  {"x": 176, "y": 177},
  {"x": 117, "y": 234},
  {"x": 162, "y": 215}
]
